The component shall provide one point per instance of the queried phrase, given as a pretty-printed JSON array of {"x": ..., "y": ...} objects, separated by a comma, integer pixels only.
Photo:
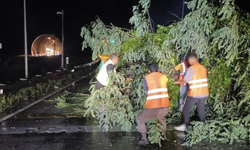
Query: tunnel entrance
[{"x": 46, "y": 45}]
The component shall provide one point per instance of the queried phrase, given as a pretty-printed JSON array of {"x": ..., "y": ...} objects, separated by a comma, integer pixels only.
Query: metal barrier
[
  {"x": 53, "y": 93},
  {"x": 5, "y": 88}
]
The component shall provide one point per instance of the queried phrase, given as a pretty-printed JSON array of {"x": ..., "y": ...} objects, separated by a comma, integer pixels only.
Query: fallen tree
[{"x": 218, "y": 31}]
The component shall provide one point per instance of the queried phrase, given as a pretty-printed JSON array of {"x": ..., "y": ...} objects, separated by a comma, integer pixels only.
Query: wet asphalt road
[
  {"x": 45, "y": 127},
  {"x": 75, "y": 141},
  {"x": 99, "y": 141}
]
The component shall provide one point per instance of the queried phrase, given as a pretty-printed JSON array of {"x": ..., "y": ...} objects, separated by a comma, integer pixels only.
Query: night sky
[{"x": 42, "y": 19}]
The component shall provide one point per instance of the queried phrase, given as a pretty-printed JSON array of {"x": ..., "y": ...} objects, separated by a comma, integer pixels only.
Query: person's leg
[
  {"x": 187, "y": 108},
  {"x": 161, "y": 118},
  {"x": 186, "y": 113},
  {"x": 183, "y": 92},
  {"x": 145, "y": 116},
  {"x": 201, "y": 109}
]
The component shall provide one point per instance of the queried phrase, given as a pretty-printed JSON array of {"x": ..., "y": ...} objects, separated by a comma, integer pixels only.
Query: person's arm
[
  {"x": 187, "y": 77},
  {"x": 180, "y": 82},
  {"x": 145, "y": 85},
  {"x": 110, "y": 67}
]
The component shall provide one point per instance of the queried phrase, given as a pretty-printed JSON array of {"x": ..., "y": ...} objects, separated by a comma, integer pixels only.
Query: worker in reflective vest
[
  {"x": 104, "y": 59},
  {"x": 157, "y": 102},
  {"x": 102, "y": 77},
  {"x": 182, "y": 67},
  {"x": 196, "y": 77}
]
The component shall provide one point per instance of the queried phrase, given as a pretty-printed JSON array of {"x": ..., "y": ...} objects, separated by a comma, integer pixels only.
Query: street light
[
  {"x": 62, "y": 59},
  {"x": 25, "y": 40}
]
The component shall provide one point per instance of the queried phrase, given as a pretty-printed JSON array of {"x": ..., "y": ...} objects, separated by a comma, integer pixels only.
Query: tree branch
[
  {"x": 117, "y": 28},
  {"x": 151, "y": 22},
  {"x": 174, "y": 15}
]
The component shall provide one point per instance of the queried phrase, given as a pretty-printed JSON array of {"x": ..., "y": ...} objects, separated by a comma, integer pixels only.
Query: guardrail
[
  {"x": 45, "y": 97},
  {"x": 7, "y": 88},
  {"x": 88, "y": 64}
]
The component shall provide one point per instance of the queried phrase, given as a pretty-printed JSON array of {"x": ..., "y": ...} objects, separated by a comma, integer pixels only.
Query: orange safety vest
[
  {"x": 184, "y": 65},
  {"x": 198, "y": 86},
  {"x": 157, "y": 90}
]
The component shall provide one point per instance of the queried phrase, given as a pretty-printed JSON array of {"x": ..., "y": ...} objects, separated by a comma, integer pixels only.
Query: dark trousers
[
  {"x": 150, "y": 113},
  {"x": 98, "y": 85},
  {"x": 190, "y": 102}
]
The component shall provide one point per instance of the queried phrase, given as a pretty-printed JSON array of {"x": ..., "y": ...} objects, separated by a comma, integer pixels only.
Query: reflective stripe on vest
[
  {"x": 157, "y": 91},
  {"x": 198, "y": 81},
  {"x": 184, "y": 68},
  {"x": 198, "y": 86},
  {"x": 157, "y": 96}
]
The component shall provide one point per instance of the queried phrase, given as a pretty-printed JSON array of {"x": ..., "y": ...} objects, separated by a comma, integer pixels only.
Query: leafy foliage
[
  {"x": 22, "y": 96},
  {"x": 73, "y": 103},
  {"x": 122, "y": 100},
  {"x": 216, "y": 30}
]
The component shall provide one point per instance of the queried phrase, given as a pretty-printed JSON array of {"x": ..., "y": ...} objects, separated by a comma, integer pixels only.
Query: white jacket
[{"x": 102, "y": 76}]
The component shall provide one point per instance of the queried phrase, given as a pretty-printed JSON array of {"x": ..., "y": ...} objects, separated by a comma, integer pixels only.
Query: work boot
[
  {"x": 182, "y": 127},
  {"x": 164, "y": 136},
  {"x": 143, "y": 142}
]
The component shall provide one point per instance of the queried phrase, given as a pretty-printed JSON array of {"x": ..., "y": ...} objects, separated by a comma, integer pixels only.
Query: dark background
[{"x": 42, "y": 19}]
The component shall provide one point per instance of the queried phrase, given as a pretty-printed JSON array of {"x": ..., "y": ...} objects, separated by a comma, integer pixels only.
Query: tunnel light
[
  {"x": 43, "y": 44},
  {"x": 49, "y": 52}
]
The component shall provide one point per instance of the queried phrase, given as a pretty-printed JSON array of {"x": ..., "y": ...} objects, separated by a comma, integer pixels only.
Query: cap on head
[{"x": 154, "y": 67}]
